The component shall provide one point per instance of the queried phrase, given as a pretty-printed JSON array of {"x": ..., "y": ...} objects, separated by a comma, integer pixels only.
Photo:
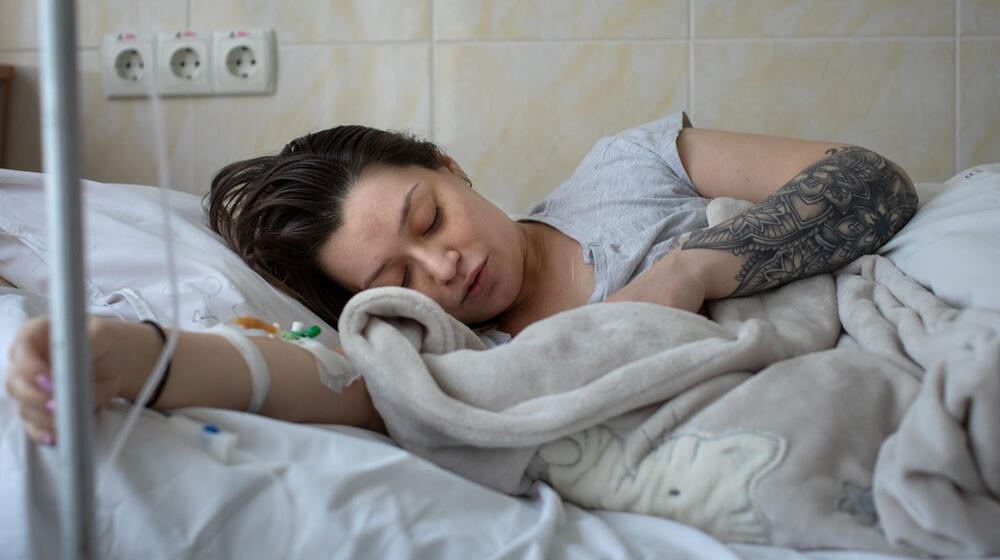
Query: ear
[{"x": 451, "y": 166}]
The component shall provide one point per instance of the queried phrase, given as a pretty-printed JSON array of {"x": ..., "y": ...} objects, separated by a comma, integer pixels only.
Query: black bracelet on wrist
[{"x": 166, "y": 372}]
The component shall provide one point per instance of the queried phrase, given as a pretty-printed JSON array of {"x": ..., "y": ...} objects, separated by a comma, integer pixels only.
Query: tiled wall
[{"x": 518, "y": 90}]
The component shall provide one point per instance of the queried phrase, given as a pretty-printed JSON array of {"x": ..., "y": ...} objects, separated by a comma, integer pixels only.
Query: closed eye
[{"x": 436, "y": 222}]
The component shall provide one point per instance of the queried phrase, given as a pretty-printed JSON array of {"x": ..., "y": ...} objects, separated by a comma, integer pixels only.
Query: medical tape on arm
[
  {"x": 260, "y": 375},
  {"x": 335, "y": 371}
]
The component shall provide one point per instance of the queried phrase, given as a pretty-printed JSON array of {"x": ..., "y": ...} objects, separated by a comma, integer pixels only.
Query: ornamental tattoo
[{"x": 846, "y": 205}]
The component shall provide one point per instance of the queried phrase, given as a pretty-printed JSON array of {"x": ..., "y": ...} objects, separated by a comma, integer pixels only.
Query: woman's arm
[
  {"x": 205, "y": 370},
  {"x": 843, "y": 206},
  {"x": 846, "y": 204},
  {"x": 744, "y": 166}
]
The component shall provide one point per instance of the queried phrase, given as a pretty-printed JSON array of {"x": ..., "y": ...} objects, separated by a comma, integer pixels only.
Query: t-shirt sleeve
[
  {"x": 659, "y": 138},
  {"x": 627, "y": 202},
  {"x": 627, "y": 181}
]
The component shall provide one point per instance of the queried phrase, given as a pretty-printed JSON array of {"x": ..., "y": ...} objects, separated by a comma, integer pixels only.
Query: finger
[
  {"x": 28, "y": 389},
  {"x": 29, "y": 357},
  {"x": 38, "y": 435},
  {"x": 41, "y": 417}
]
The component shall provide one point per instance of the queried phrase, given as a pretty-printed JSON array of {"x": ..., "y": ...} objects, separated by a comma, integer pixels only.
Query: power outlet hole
[
  {"x": 185, "y": 63},
  {"x": 241, "y": 62},
  {"x": 129, "y": 65}
]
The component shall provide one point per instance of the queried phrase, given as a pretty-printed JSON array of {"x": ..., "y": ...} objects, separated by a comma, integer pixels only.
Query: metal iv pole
[{"x": 70, "y": 350}]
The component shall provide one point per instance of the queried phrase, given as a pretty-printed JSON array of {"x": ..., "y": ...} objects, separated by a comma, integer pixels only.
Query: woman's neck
[{"x": 554, "y": 278}]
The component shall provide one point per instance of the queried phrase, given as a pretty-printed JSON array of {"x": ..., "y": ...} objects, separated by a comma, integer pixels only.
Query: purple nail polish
[
  {"x": 48, "y": 440},
  {"x": 51, "y": 405},
  {"x": 44, "y": 381}
]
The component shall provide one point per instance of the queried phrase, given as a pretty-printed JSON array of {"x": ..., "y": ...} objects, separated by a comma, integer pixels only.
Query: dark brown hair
[{"x": 276, "y": 211}]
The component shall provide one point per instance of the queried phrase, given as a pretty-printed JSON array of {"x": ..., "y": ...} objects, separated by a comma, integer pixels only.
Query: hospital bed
[{"x": 205, "y": 483}]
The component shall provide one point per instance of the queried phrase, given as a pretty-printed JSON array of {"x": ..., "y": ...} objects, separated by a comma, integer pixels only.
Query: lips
[{"x": 475, "y": 281}]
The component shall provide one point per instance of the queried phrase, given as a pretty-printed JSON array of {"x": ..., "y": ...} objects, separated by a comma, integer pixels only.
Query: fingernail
[
  {"x": 48, "y": 440},
  {"x": 51, "y": 405},
  {"x": 44, "y": 381}
]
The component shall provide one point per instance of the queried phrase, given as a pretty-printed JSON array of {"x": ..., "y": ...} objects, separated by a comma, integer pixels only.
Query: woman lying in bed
[{"x": 352, "y": 208}]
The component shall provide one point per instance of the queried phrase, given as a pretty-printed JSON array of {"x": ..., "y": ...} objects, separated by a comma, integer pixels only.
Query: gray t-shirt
[{"x": 626, "y": 204}]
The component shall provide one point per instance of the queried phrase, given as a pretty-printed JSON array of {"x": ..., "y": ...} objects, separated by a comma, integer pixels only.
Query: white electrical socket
[
  {"x": 245, "y": 61},
  {"x": 184, "y": 63},
  {"x": 127, "y": 64},
  {"x": 190, "y": 63}
]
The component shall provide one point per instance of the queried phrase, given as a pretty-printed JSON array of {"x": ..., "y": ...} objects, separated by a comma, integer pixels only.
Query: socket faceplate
[
  {"x": 184, "y": 63},
  {"x": 126, "y": 65},
  {"x": 245, "y": 61}
]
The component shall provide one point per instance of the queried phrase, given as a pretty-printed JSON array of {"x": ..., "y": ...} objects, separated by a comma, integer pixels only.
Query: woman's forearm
[
  {"x": 843, "y": 206},
  {"x": 206, "y": 370}
]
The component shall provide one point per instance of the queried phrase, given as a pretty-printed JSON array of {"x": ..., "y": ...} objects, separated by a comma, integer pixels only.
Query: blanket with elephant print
[{"x": 853, "y": 410}]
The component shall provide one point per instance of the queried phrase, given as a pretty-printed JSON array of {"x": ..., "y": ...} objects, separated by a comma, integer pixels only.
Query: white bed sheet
[
  {"x": 353, "y": 497},
  {"x": 343, "y": 493},
  {"x": 350, "y": 494}
]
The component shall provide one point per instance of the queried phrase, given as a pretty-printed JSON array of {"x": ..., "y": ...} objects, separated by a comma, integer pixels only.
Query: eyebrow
[{"x": 407, "y": 201}]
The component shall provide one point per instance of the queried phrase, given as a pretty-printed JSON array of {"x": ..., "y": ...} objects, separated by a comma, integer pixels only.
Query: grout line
[
  {"x": 690, "y": 46},
  {"x": 676, "y": 41},
  {"x": 706, "y": 40},
  {"x": 828, "y": 39},
  {"x": 355, "y": 43},
  {"x": 663, "y": 40},
  {"x": 473, "y": 42},
  {"x": 958, "y": 89},
  {"x": 433, "y": 78}
]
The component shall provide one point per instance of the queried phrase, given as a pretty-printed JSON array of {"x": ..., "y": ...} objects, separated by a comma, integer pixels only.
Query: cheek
[{"x": 491, "y": 225}]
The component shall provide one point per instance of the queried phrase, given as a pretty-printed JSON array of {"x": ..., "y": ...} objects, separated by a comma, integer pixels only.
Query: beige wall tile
[
  {"x": 319, "y": 86},
  {"x": 981, "y": 17},
  {"x": 797, "y": 18},
  {"x": 319, "y": 20},
  {"x": 520, "y": 117},
  {"x": 118, "y": 134},
  {"x": 24, "y": 138},
  {"x": 979, "y": 140},
  {"x": 117, "y": 138},
  {"x": 97, "y": 17},
  {"x": 94, "y": 18},
  {"x": 19, "y": 24},
  {"x": 894, "y": 97},
  {"x": 560, "y": 19}
]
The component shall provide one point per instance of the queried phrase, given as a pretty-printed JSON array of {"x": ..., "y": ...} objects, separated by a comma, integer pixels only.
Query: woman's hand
[
  {"x": 673, "y": 281},
  {"x": 30, "y": 380},
  {"x": 205, "y": 370}
]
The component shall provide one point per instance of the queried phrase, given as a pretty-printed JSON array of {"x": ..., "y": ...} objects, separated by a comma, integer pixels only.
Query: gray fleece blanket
[{"x": 846, "y": 411}]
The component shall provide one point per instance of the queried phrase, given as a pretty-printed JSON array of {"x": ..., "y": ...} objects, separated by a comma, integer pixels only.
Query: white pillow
[
  {"x": 952, "y": 244},
  {"x": 124, "y": 250}
]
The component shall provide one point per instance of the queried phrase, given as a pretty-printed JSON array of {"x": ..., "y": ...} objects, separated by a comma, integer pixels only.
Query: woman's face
[{"x": 427, "y": 230}]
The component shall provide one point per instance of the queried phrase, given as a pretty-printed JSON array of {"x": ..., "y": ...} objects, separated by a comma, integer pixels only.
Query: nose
[{"x": 440, "y": 264}]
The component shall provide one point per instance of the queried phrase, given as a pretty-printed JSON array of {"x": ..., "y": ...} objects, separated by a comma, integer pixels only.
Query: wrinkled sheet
[
  {"x": 305, "y": 491},
  {"x": 854, "y": 410}
]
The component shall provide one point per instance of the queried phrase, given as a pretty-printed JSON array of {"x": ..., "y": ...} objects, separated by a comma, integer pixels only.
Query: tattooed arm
[{"x": 846, "y": 204}]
